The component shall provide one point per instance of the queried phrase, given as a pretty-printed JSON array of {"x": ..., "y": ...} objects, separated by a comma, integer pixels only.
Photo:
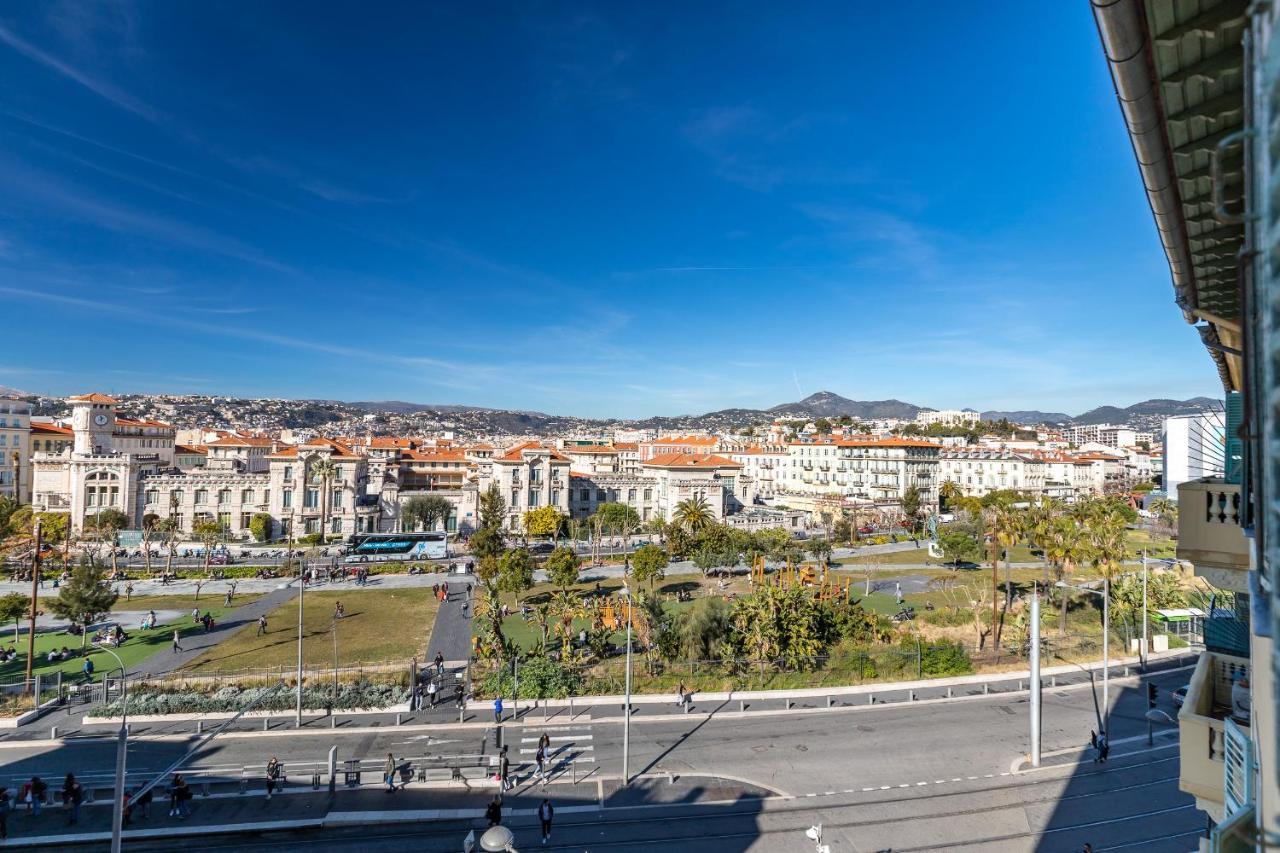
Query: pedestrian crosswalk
[{"x": 570, "y": 745}]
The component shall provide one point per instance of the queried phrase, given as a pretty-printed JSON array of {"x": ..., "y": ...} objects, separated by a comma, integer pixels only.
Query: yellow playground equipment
[
  {"x": 807, "y": 575},
  {"x": 614, "y": 618}
]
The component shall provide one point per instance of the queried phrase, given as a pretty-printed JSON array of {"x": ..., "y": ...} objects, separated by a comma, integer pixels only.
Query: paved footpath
[
  {"x": 451, "y": 634},
  {"x": 196, "y": 644},
  {"x": 459, "y": 806}
]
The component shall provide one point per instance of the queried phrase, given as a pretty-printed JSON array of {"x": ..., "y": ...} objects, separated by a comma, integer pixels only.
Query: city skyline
[{"x": 578, "y": 212}]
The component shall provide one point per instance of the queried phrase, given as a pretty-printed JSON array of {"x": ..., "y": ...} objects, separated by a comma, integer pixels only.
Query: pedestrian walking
[
  {"x": 497, "y": 710},
  {"x": 87, "y": 670},
  {"x": 540, "y": 758},
  {"x": 431, "y": 693},
  {"x": 262, "y": 625},
  {"x": 435, "y": 590},
  {"x": 493, "y": 811},
  {"x": 144, "y": 804},
  {"x": 1093, "y": 744},
  {"x": 459, "y": 695},
  {"x": 177, "y": 647},
  {"x": 389, "y": 772},
  {"x": 127, "y": 810},
  {"x": 545, "y": 813},
  {"x": 179, "y": 794},
  {"x": 72, "y": 796},
  {"x": 273, "y": 776},
  {"x": 1104, "y": 747},
  {"x": 504, "y": 771},
  {"x": 36, "y": 789},
  {"x": 128, "y": 591},
  {"x": 226, "y": 602},
  {"x": 415, "y": 698},
  {"x": 444, "y": 591},
  {"x": 195, "y": 614},
  {"x": 439, "y": 663},
  {"x": 4, "y": 813},
  {"x": 680, "y": 690}
]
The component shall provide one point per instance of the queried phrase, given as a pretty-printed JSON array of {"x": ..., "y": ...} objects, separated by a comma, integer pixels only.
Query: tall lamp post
[
  {"x": 302, "y": 590},
  {"x": 626, "y": 713},
  {"x": 122, "y": 751},
  {"x": 17, "y": 478},
  {"x": 35, "y": 594},
  {"x": 1104, "y": 717}
]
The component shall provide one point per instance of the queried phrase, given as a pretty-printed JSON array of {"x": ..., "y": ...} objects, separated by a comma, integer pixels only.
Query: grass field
[
  {"x": 381, "y": 626},
  {"x": 140, "y": 645}
]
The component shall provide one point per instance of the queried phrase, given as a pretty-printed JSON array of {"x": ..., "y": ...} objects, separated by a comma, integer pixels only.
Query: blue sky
[{"x": 614, "y": 210}]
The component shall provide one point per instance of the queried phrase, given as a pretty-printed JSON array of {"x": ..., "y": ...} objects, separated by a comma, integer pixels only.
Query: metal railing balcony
[{"x": 1201, "y": 725}]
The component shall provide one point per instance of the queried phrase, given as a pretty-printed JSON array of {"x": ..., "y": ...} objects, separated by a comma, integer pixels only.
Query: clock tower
[{"x": 93, "y": 420}]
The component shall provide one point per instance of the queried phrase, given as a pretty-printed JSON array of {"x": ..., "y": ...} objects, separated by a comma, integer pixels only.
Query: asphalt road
[{"x": 928, "y": 776}]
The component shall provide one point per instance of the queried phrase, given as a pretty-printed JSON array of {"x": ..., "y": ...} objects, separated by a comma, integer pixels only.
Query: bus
[{"x": 406, "y": 547}]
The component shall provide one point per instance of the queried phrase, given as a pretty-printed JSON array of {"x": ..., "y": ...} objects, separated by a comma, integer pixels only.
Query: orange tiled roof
[
  {"x": 516, "y": 454},
  {"x": 93, "y": 398},
  {"x": 51, "y": 429},
  {"x": 241, "y": 441},
  {"x": 428, "y": 455},
  {"x": 135, "y": 422},
  {"x": 626, "y": 445},
  {"x": 190, "y": 450},
  {"x": 685, "y": 439},
  {"x": 691, "y": 460}
]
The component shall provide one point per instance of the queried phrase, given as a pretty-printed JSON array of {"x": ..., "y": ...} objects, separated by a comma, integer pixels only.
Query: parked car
[{"x": 1180, "y": 695}]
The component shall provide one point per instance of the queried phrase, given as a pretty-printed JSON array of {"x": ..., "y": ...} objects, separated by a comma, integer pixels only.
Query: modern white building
[
  {"x": 949, "y": 417},
  {"x": 1194, "y": 447}
]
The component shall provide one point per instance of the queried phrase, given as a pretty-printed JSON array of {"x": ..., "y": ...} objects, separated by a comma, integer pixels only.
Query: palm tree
[
  {"x": 694, "y": 514},
  {"x": 1066, "y": 547},
  {"x": 948, "y": 490},
  {"x": 323, "y": 471}
]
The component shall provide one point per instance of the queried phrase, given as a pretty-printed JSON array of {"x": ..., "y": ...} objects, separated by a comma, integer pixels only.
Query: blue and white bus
[{"x": 405, "y": 547}]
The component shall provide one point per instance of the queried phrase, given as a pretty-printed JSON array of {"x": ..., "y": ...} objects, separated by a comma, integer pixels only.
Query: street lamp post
[
  {"x": 35, "y": 594},
  {"x": 626, "y": 713},
  {"x": 1105, "y": 716},
  {"x": 302, "y": 590},
  {"x": 122, "y": 751},
  {"x": 1142, "y": 646},
  {"x": 1035, "y": 679}
]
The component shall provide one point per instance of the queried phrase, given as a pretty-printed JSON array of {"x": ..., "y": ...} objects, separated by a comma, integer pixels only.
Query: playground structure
[
  {"x": 805, "y": 576},
  {"x": 614, "y": 619}
]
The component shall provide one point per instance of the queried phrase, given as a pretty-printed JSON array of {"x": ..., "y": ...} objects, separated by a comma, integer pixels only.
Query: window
[
  {"x": 175, "y": 497},
  {"x": 202, "y": 496},
  {"x": 288, "y": 472},
  {"x": 533, "y": 498},
  {"x": 224, "y": 497},
  {"x": 585, "y": 495},
  {"x": 266, "y": 496},
  {"x": 286, "y": 498},
  {"x": 153, "y": 495},
  {"x": 555, "y": 496},
  {"x": 631, "y": 495},
  {"x": 246, "y": 496},
  {"x": 601, "y": 497},
  {"x": 336, "y": 502},
  {"x": 515, "y": 499},
  {"x": 335, "y": 525},
  {"x": 648, "y": 494},
  {"x": 535, "y": 475},
  {"x": 224, "y": 520}
]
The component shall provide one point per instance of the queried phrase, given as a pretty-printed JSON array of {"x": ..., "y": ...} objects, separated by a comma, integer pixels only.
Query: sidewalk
[
  {"x": 304, "y": 808},
  {"x": 194, "y": 645}
]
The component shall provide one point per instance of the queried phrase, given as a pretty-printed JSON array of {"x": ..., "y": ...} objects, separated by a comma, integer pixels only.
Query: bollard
[
  {"x": 788, "y": 701},
  {"x": 53, "y": 733},
  {"x": 265, "y": 722},
  {"x": 986, "y": 688},
  {"x": 1126, "y": 672},
  {"x": 828, "y": 701},
  {"x": 871, "y": 698},
  {"x": 742, "y": 706},
  {"x": 1019, "y": 684},
  {"x": 333, "y": 768},
  {"x": 1053, "y": 681},
  {"x": 333, "y": 722},
  {"x": 545, "y": 706},
  {"x": 199, "y": 726},
  {"x": 687, "y": 707},
  {"x": 461, "y": 711},
  {"x": 911, "y": 696},
  {"x": 204, "y": 789},
  {"x": 571, "y": 709},
  {"x": 948, "y": 692},
  {"x": 397, "y": 719}
]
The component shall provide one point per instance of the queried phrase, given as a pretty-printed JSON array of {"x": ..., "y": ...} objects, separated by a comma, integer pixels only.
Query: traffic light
[{"x": 1152, "y": 693}]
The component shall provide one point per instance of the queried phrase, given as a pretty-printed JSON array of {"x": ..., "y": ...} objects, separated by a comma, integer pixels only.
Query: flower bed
[{"x": 147, "y": 698}]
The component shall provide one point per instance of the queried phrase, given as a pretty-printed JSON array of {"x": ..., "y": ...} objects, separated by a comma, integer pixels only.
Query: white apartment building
[
  {"x": 530, "y": 476},
  {"x": 765, "y": 465},
  {"x": 950, "y": 417},
  {"x": 1194, "y": 447},
  {"x": 979, "y": 471},
  {"x": 880, "y": 470},
  {"x": 15, "y": 453}
]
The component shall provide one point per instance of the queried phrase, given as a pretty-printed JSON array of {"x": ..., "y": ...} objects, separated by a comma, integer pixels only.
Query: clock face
[{"x": 100, "y": 420}]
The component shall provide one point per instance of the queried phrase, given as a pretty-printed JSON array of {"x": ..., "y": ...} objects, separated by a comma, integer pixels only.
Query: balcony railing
[
  {"x": 1209, "y": 532},
  {"x": 1200, "y": 728}
]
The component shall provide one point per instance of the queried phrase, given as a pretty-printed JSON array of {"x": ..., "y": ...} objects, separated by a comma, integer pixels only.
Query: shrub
[
  {"x": 188, "y": 699},
  {"x": 944, "y": 657},
  {"x": 540, "y": 678}
]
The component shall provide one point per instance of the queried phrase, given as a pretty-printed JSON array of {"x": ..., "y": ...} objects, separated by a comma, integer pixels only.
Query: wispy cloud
[{"x": 100, "y": 87}]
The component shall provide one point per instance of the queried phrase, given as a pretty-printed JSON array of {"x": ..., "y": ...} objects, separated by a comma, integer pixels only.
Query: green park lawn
[
  {"x": 381, "y": 626},
  {"x": 920, "y": 557},
  {"x": 140, "y": 645}
]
